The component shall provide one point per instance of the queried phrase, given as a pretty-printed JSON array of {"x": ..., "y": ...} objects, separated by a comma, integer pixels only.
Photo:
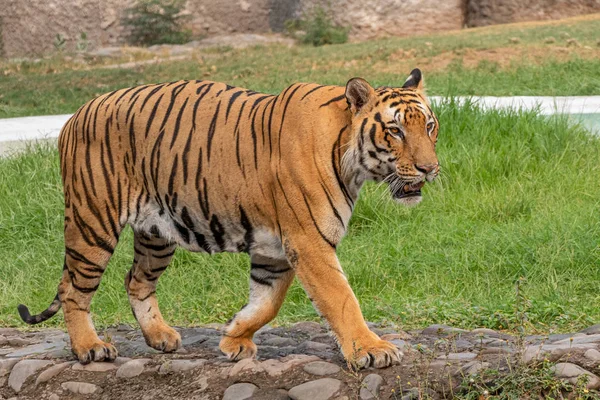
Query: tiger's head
[{"x": 395, "y": 133}]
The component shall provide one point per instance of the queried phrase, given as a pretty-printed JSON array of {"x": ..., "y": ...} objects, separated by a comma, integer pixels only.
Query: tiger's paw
[
  {"x": 163, "y": 338},
  {"x": 375, "y": 353},
  {"x": 97, "y": 350},
  {"x": 237, "y": 348}
]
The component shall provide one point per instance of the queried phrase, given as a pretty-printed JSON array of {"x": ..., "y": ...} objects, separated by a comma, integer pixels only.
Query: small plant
[
  {"x": 82, "y": 42},
  {"x": 157, "y": 22},
  {"x": 317, "y": 28},
  {"x": 59, "y": 42}
]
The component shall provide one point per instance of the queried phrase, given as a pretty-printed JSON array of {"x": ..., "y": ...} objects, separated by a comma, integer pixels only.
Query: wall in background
[{"x": 30, "y": 27}]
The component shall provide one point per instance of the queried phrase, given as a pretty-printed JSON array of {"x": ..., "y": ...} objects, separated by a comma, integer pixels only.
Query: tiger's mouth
[{"x": 408, "y": 191}]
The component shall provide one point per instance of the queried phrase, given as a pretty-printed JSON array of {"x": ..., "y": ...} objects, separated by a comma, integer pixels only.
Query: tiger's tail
[{"x": 41, "y": 317}]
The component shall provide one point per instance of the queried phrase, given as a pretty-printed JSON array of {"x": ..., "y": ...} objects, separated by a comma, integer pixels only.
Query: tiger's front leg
[
  {"x": 321, "y": 275},
  {"x": 269, "y": 282}
]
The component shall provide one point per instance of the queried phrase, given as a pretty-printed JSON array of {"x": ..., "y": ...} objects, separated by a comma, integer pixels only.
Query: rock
[
  {"x": 311, "y": 328},
  {"x": 18, "y": 342},
  {"x": 458, "y": 356},
  {"x": 401, "y": 335},
  {"x": 299, "y": 359},
  {"x": 239, "y": 391},
  {"x": 473, "y": 368},
  {"x": 247, "y": 365},
  {"x": 180, "y": 365},
  {"x": 595, "y": 338},
  {"x": 194, "y": 339},
  {"x": 121, "y": 360},
  {"x": 6, "y": 366},
  {"x": 322, "y": 389},
  {"x": 490, "y": 333},
  {"x": 496, "y": 350},
  {"x": 594, "y": 329},
  {"x": 278, "y": 341},
  {"x": 321, "y": 368},
  {"x": 401, "y": 344},
  {"x": 550, "y": 40},
  {"x": 52, "y": 372},
  {"x": 53, "y": 396},
  {"x": 571, "y": 372},
  {"x": 274, "y": 367},
  {"x": 313, "y": 347},
  {"x": 592, "y": 354},
  {"x": 132, "y": 368},
  {"x": 37, "y": 349},
  {"x": 537, "y": 352},
  {"x": 80, "y": 387},
  {"x": 437, "y": 329},
  {"x": 370, "y": 387},
  {"x": 94, "y": 367},
  {"x": 23, "y": 370}
]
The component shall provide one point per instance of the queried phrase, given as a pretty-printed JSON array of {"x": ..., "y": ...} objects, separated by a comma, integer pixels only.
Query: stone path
[{"x": 298, "y": 362}]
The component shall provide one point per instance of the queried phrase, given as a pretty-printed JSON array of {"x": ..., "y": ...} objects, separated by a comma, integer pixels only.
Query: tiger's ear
[
  {"x": 358, "y": 94},
  {"x": 414, "y": 80}
]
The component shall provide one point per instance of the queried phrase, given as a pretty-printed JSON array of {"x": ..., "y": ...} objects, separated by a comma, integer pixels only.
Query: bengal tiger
[{"x": 215, "y": 168}]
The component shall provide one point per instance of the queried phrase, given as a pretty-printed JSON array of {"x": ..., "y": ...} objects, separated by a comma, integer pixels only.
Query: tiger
[{"x": 214, "y": 168}]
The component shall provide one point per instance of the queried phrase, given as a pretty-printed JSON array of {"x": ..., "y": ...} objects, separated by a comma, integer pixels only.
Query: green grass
[
  {"x": 518, "y": 197},
  {"x": 480, "y": 61}
]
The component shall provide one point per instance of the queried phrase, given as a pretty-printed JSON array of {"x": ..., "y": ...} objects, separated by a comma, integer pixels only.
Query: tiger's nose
[{"x": 426, "y": 168}]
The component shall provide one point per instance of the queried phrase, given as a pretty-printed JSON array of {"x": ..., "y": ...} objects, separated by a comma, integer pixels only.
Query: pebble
[
  {"x": 438, "y": 329},
  {"x": 23, "y": 370},
  {"x": 473, "y": 368},
  {"x": 37, "y": 349},
  {"x": 6, "y": 366},
  {"x": 94, "y": 367},
  {"x": 52, "y": 372},
  {"x": 278, "y": 341},
  {"x": 571, "y": 372},
  {"x": 595, "y": 338},
  {"x": 594, "y": 329},
  {"x": 132, "y": 368},
  {"x": 53, "y": 396},
  {"x": 313, "y": 347},
  {"x": 308, "y": 327},
  {"x": 370, "y": 386},
  {"x": 592, "y": 354},
  {"x": 321, "y": 368},
  {"x": 180, "y": 365},
  {"x": 322, "y": 389},
  {"x": 80, "y": 387},
  {"x": 458, "y": 356},
  {"x": 239, "y": 391}
]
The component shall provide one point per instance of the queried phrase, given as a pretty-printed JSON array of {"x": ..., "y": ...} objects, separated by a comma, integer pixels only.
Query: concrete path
[{"x": 14, "y": 131}]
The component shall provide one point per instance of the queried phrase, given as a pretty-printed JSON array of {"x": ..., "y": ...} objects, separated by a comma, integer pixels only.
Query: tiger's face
[{"x": 396, "y": 133}]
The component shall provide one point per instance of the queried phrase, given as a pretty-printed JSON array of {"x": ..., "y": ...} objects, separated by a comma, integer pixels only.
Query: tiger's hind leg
[
  {"x": 88, "y": 249},
  {"x": 152, "y": 256},
  {"x": 269, "y": 282}
]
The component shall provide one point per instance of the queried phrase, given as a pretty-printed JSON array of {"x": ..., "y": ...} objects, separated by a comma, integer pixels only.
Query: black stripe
[
  {"x": 211, "y": 131},
  {"x": 152, "y": 115},
  {"x": 217, "y": 231},
  {"x": 261, "y": 281},
  {"x": 315, "y": 222},
  {"x": 311, "y": 90},
  {"x": 338, "y": 98},
  {"x": 178, "y": 123},
  {"x": 231, "y": 101},
  {"x": 248, "y": 236}
]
